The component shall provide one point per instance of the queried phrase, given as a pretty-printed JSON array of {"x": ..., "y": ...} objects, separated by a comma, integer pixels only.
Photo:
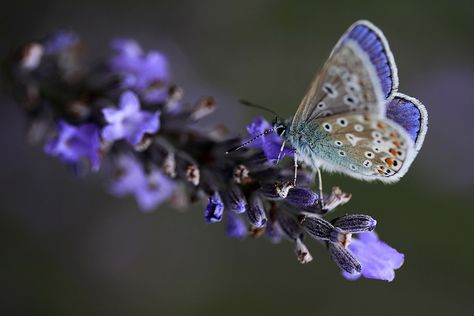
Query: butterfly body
[{"x": 353, "y": 120}]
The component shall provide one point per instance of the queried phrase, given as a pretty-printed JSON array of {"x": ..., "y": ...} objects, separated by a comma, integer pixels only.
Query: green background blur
[{"x": 69, "y": 248}]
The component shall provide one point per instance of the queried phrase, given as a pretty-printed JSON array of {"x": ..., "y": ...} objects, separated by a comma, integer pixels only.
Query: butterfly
[{"x": 353, "y": 120}]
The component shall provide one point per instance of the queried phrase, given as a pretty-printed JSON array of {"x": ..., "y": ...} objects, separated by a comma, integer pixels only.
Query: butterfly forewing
[
  {"x": 349, "y": 81},
  {"x": 364, "y": 146}
]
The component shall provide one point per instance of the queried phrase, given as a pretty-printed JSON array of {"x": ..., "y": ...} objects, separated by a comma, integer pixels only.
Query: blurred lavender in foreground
[{"x": 126, "y": 113}]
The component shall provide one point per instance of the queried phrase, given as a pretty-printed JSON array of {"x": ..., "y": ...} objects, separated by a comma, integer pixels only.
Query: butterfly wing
[
  {"x": 411, "y": 115},
  {"x": 359, "y": 75},
  {"x": 363, "y": 146}
]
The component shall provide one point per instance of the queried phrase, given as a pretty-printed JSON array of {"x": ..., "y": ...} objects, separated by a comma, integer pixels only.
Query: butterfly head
[{"x": 279, "y": 126}]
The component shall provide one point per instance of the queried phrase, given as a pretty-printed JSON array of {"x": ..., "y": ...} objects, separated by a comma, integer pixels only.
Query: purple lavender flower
[
  {"x": 147, "y": 74},
  {"x": 150, "y": 190},
  {"x": 214, "y": 209},
  {"x": 378, "y": 260},
  {"x": 128, "y": 121},
  {"x": 270, "y": 143},
  {"x": 236, "y": 227},
  {"x": 74, "y": 143},
  {"x": 60, "y": 41}
]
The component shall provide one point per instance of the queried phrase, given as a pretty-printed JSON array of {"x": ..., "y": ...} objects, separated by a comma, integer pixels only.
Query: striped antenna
[{"x": 265, "y": 132}]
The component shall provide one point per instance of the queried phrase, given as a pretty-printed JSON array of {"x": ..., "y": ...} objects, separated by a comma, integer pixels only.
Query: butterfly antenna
[
  {"x": 253, "y": 105},
  {"x": 265, "y": 132}
]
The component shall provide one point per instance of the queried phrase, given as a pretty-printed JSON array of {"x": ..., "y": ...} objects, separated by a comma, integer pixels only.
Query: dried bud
[
  {"x": 169, "y": 165},
  {"x": 175, "y": 95},
  {"x": 257, "y": 232},
  {"x": 144, "y": 143},
  {"x": 302, "y": 253},
  {"x": 283, "y": 188},
  {"x": 344, "y": 259},
  {"x": 79, "y": 109},
  {"x": 32, "y": 55},
  {"x": 192, "y": 174},
  {"x": 204, "y": 107},
  {"x": 241, "y": 175},
  {"x": 276, "y": 191},
  {"x": 336, "y": 198},
  {"x": 218, "y": 132}
]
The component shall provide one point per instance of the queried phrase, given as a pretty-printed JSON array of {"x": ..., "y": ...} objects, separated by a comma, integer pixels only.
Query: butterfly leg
[
  {"x": 296, "y": 169},
  {"x": 281, "y": 151},
  {"x": 320, "y": 187}
]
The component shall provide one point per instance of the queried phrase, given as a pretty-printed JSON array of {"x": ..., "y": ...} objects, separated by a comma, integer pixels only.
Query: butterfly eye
[{"x": 280, "y": 130}]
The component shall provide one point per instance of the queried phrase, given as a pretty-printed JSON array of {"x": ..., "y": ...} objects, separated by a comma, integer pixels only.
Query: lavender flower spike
[
  {"x": 150, "y": 138},
  {"x": 74, "y": 143},
  {"x": 129, "y": 121},
  {"x": 378, "y": 260}
]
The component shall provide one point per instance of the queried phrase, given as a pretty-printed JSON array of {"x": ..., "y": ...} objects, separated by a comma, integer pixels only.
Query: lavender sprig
[{"x": 126, "y": 113}]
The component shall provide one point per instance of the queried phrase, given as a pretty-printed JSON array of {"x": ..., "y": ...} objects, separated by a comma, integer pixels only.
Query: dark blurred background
[{"x": 69, "y": 248}]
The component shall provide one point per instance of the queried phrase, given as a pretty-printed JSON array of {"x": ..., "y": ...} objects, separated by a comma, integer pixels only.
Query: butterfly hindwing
[
  {"x": 411, "y": 115},
  {"x": 363, "y": 146},
  {"x": 358, "y": 76}
]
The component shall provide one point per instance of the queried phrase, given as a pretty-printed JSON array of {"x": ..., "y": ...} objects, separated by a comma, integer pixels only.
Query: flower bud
[
  {"x": 317, "y": 227},
  {"x": 344, "y": 259},
  {"x": 256, "y": 212},
  {"x": 234, "y": 199},
  {"x": 356, "y": 223},
  {"x": 301, "y": 197}
]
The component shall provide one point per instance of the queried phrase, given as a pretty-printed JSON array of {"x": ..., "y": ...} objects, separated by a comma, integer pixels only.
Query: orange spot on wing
[
  {"x": 397, "y": 143},
  {"x": 389, "y": 161},
  {"x": 393, "y": 151},
  {"x": 381, "y": 125}
]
